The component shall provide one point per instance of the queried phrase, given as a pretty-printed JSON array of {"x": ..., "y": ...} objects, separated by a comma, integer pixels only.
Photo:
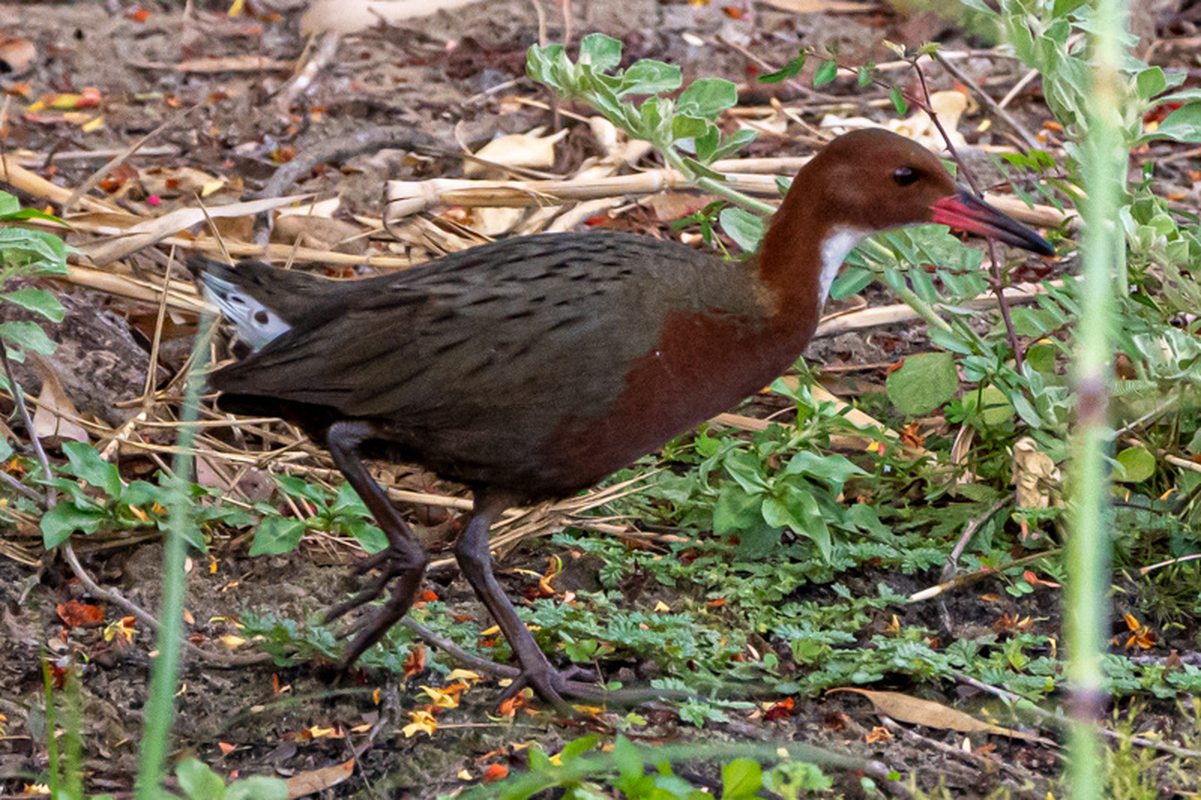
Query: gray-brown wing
[{"x": 528, "y": 325}]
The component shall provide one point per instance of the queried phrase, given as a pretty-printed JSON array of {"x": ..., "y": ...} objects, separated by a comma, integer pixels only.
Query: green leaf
[
  {"x": 1151, "y": 82},
  {"x": 299, "y": 487},
  {"x": 705, "y": 145},
  {"x": 898, "y": 99},
  {"x": 995, "y": 408},
  {"x": 602, "y": 52},
  {"x": 735, "y": 509},
  {"x": 27, "y": 336},
  {"x": 1041, "y": 358},
  {"x": 833, "y": 470},
  {"x": 756, "y": 541},
  {"x": 825, "y": 73},
  {"x": 142, "y": 493},
  {"x": 277, "y": 535},
  {"x": 688, "y": 127},
  {"x": 1182, "y": 125},
  {"x": 1026, "y": 411},
  {"x": 257, "y": 787},
  {"x": 539, "y": 760},
  {"x": 1138, "y": 464},
  {"x": 578, "y": 747},
  {"x": 733, "y": 143},
  {"x": 747, "y": 470},
  {"x": 198, "y": 781},
  {"x": 790, "y": 70},
  {"x": 40, "y": 252},
  {"x": 1183, "y": 96},
  {"x": 777, "y": 514},
  {"x": 745, "y": 228},
  {"x": 650, "y": 77},
  {"x": 30, "y": 213},
  {"x": 87, "y": 465},
  {"x": 369, "y": 537},
  {"x": 548, "y": 65},
  {"x": 36, "y": 300},
  {"x": 651, "y": 115},
  {"x": 699, "y": 170},
  {"x": 65, "y": 519},
  {"x": 707, "y": 97},
  {"x": 923, "y": 383},
  {"x": 813, "y": 524},
  {"x": 741, "y": 778},
  {"x": 625, "y": 755},
  {"x": 348, "y": 502}
]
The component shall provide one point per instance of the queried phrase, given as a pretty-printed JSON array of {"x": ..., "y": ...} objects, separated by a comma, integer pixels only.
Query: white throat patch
[{"x": 835, "y": 248}]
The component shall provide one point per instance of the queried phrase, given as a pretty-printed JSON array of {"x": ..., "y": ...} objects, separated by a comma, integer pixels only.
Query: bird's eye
[{"x": 904, "y": 176}]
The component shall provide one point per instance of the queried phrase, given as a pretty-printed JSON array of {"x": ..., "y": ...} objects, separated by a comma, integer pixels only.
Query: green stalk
[
  {"x": 676, "y": 162},
  {"x": 160, "y": 706},
  {"x": 1103, "y": 165},
  {"x": 51, "y": 733},
  {"x": 909, "y": 297}
]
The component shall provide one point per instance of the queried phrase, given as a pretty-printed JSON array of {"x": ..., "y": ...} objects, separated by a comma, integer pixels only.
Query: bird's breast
[{"x": 701, "y": 365}]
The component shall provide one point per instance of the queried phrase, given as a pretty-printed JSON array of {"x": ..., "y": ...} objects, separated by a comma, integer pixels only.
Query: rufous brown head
[{"x": 871, "y": 180}]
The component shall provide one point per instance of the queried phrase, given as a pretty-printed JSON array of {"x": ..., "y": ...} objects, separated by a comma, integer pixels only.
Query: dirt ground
[{"x": 438, "y": 75}]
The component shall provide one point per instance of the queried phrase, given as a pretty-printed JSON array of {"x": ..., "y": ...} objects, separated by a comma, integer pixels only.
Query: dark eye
[{"x": 904, "y": 176}]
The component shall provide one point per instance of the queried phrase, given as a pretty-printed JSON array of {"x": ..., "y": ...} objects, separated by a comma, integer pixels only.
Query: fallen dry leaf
[
  {"x": 17, "y": 55},
  {"x": 914, "y": 711},
  {"x": 313, "y": 781},
  {"x": 495, "y": 772},
  {"x": 530, "y": 150},
  {"x": 55, "y": 410},
  {"x": 422, "y": 722},
  {"x": 1035, "y": 476},
  {"x": 77, "y": 615}
]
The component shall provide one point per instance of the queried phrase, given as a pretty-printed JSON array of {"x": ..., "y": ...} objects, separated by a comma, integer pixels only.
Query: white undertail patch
[{"x": 256, "y": 324}]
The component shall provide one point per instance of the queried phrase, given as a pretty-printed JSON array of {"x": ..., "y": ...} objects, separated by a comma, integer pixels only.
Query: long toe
[
  {"x": 373, "y": 628},
  {"x": 553, "y": 686},
  {"x": 361, "y": 598}
]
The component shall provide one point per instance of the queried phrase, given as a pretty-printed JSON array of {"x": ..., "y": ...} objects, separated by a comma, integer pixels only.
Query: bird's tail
[{"x": 262, "y": 303}]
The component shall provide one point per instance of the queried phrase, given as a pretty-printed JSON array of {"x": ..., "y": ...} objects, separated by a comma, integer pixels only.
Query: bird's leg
[
  {"x": 471, "y": 551},
  {"x": 405, "y": 558}
]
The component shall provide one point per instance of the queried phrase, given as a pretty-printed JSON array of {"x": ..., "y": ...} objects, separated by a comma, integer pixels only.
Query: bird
[{"x": 531, "y": 368}]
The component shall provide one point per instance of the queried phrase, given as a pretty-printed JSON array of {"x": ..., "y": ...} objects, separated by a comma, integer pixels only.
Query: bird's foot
[
  {"x": 397, "y": 570},
  {"x": 554, "y": 685},
  {"x": 391, "y": 565}
]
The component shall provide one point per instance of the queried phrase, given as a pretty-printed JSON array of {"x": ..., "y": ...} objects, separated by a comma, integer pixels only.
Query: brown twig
[
  {"x": 972, "y": 577},
  {"x": 26, "y": 420},
  {"x": 1053, "y": 719},
  {"x": 948, "y": 570},
  {"x": 997, "y": 278},
  {"x": 971, "y": 757},
  {"x": 993, "y": 106}
]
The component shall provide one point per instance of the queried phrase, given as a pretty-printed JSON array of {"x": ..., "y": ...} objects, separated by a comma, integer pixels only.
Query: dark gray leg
[
  {"x": 405, "y": 559},
  {"x": 471, "y": 551}
]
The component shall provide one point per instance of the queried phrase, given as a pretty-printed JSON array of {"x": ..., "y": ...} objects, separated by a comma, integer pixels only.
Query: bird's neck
[{"x": 801, "y": 254}]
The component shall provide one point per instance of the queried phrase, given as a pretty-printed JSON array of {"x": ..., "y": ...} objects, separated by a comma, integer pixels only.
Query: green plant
[
  {"x": 637, "y": 773},
  {"x": 198, "y": 782},
  {"x": 28, "y": 253},
  {"x": 96, "y": 498},
  {"x": 342, "y": 512},
  {"x": 683, "y": 129}
]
